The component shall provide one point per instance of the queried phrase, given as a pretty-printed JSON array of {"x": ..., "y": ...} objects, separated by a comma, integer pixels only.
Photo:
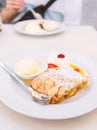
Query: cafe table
[{"x": 81, "y": 40}]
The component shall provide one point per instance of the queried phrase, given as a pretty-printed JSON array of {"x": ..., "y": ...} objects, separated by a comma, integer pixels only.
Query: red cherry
[{"x": 61, "y": 56}]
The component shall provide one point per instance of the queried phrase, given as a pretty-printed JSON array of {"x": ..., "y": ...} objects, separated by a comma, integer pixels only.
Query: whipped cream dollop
[{"x": 60, "y": 60}]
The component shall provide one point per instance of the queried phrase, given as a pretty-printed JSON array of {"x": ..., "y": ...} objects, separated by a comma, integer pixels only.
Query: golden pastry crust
[{"x": 58, "y": 87}]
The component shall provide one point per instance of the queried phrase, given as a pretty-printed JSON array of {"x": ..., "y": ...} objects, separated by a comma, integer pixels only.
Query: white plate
[
  {"x": 19, "y": 28},
  {"x": 19, "y": 99}
]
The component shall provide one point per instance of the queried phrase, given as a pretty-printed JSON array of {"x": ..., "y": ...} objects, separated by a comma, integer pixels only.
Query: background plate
[{"x": 19, "y": 28}]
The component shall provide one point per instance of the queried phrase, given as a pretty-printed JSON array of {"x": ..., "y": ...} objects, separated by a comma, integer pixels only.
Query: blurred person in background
[{"x": 67, "y": 11}]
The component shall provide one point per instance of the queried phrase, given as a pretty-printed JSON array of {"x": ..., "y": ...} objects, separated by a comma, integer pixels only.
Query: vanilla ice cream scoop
[
  {"x": 50, "y": 25},
  {"x": 28, "y": 68}
]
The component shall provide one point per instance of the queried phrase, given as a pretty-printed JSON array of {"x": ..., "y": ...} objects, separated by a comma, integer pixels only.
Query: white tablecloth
[{"x": 82, "y": 40}]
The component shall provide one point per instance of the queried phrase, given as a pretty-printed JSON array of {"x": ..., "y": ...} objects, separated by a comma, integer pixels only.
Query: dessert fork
[
  {"x": 40, "y": 98},
  {"x": 36, "y": 15}
]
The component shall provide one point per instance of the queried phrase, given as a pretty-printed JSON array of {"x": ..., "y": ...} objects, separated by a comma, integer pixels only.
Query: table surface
[{"x": 79, "y": 39}]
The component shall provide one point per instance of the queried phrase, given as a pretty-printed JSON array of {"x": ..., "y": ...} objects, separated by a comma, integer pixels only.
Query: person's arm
[{"x": 11, "y": 10}]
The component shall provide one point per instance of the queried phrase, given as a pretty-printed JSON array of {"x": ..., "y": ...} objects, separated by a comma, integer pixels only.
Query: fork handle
[{"x": 12, "y": 74}]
